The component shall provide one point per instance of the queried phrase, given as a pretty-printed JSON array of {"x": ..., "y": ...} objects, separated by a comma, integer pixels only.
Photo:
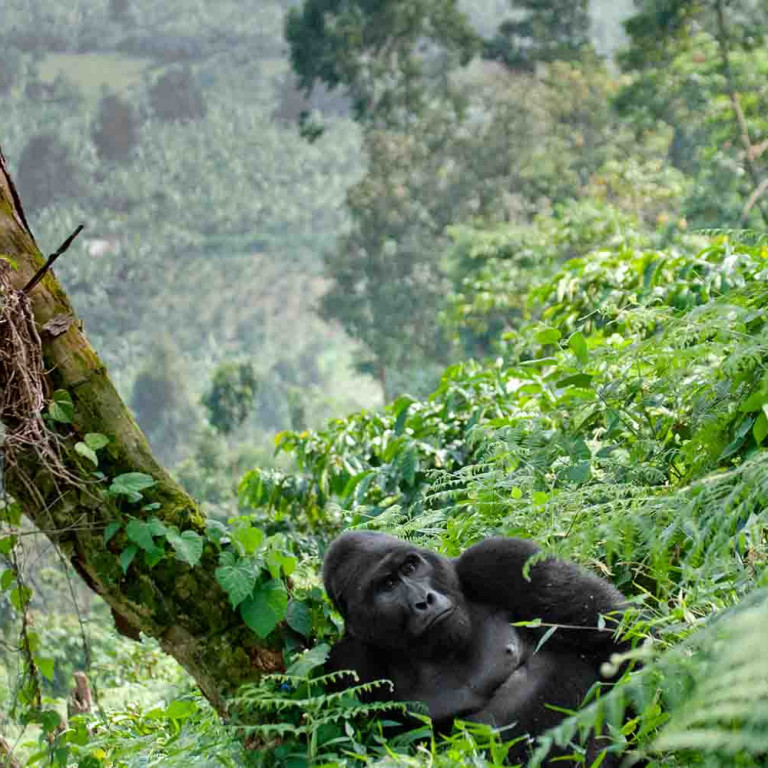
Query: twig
[
  {"x": 7, "y": 760},
  {"x": 753, "y": 198},
  {"x": 49, "y": 263}
]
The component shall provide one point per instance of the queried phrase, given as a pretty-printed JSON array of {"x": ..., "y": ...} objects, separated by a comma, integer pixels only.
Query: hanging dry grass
[{"x": 22, "y": 381}]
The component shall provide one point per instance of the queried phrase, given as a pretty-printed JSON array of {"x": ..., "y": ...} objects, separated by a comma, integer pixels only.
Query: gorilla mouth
[{"x": 438, "y": 619}]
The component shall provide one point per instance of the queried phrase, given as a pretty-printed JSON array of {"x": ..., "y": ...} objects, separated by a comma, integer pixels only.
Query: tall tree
[
  {"x": 394, "y": 61},
  {"x": 386, "y": 281},
  {"x": 541, "y": 31},
  {"x": 132, "y": 533},
  {"x": 385, "y": 55}
]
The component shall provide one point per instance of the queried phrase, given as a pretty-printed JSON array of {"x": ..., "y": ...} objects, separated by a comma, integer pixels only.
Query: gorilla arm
[
  {"x": 556, "y": 591},
  {"x": 351, "y": 654}
]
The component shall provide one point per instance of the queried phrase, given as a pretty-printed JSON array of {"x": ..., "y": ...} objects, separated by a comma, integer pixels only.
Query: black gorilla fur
[{"x": 439, "y": 629}]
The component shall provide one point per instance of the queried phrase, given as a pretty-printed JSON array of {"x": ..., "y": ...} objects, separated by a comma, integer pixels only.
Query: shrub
[
  {"x": 176, "y": 95},
  {"x": 47, "y": 171},
  {"x": 116, "y": 129}
]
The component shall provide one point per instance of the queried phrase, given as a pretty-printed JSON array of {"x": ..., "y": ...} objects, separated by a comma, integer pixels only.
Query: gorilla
[{"x": 440, "y": 630}]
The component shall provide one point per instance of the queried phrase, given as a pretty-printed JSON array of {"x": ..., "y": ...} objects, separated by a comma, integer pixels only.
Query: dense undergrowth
[{"x": 622, "y": 425}]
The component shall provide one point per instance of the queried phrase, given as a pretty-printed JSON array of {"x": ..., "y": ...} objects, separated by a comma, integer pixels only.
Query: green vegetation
[{"x": 550, "y": 267}]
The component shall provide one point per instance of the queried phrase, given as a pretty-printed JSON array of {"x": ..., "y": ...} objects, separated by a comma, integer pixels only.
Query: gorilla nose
[{"x": 426, "y": 602}]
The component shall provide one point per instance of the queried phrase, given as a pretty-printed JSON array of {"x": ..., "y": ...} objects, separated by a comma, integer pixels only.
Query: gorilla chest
[{"x": 462, "y": 685}]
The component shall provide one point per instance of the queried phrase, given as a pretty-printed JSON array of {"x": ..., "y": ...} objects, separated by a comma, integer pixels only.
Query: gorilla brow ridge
[{"x": 346, "y": 555}]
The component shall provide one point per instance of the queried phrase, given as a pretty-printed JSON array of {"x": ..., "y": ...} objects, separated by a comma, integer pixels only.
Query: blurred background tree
[
  {"x": 176, "y": 95},
  {"x": 48, "y": 171},
  {"x": 115, "y": 131},
  {"x": 541, "y": 31},
  {"x": 230, "y": 398},
  {"x": 387, "y": 57}
]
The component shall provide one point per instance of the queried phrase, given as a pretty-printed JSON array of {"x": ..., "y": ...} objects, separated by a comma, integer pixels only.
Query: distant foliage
[
  {"x": 10, "y": 70},
  {"x": 293, "y": 102},
  {"x": 541, "y": 31},
  {"x": 120, "y": 11},
  {"x": 176, "y": 95},
  {"x": 115, "y": 131},
  {"x": 230, "y": 397},
  {"x": 386, "y": 56},
  {"x": 688, "y": 64},
  {"x": 47, "y": 171},
  {"x": 162, "y": 405}
]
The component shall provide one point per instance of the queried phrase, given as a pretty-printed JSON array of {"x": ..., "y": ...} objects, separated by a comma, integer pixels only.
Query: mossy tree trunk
[{"x": 183, "y": 607}]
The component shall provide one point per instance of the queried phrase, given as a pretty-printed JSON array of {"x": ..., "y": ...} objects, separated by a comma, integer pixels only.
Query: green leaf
[
  {"x": 408, "y": 464},
  {"x": 96, "y": 441},
  {"x": 548, "y": 336},
  {"x": 354, "y": 482},
  {"x": 20, "y": 597},
  {"x": 579, "y": 473},
  {"x": 11, "y": 513},
  {"x": 265, "y": 608},
  {"x": 49, "y": 720},
  {"x": 46, "y": 667},
  {"x": 180, "y": 710},
  {"x": 61, "y": 408},
  {"x": 7, "y": 543},
  {"x": 299, "y": 617},
  {"x": 277, "y": 561},
  {"x": 6, "y": 579},
  {"x": 111, "y": 530},
  {"x": 157, "y": 526},
  {"x": 578, "y": 345},
  {"x": 583, "y": 380},
  {"x": 248, "y": 537},
  {"x": 742, "y": 432},
  {"x": 89, "y": 454},
  {"x": 131, "y": 484},
  {"x": 153, "y": 556},
  {"x": 188, "y": 546},
  {"x": 754, "y": 402},
  {"x": 310, "y": 660},
  {"x": 531, "y": 623},
  {"x": 400, "y": 411},
  {"x": 760, "y": 429},
  {"x": 237, "y": 580},
  {"x": 544, "y": 638},
  {"x": 126, "y": 557},
  {"x": 140, "y": 533}
]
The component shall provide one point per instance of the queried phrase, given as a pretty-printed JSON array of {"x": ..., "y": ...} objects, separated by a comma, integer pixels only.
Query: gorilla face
[{"x": 395, "y": 596}]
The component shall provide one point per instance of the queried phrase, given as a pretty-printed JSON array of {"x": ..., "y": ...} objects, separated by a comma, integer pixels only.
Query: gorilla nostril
[{"x": 426, "y": 603}]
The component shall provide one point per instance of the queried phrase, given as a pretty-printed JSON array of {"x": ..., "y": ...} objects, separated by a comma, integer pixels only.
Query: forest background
[{"x": 518, "y": 241}]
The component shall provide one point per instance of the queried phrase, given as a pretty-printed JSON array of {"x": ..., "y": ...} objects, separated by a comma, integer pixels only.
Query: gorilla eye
[
  {"x": 389, "y": 583},
  {"x": 409, "y": 566}
]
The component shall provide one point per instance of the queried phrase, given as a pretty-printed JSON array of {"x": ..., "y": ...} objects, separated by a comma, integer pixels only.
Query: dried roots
[{"x": 22, "y": 381}]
